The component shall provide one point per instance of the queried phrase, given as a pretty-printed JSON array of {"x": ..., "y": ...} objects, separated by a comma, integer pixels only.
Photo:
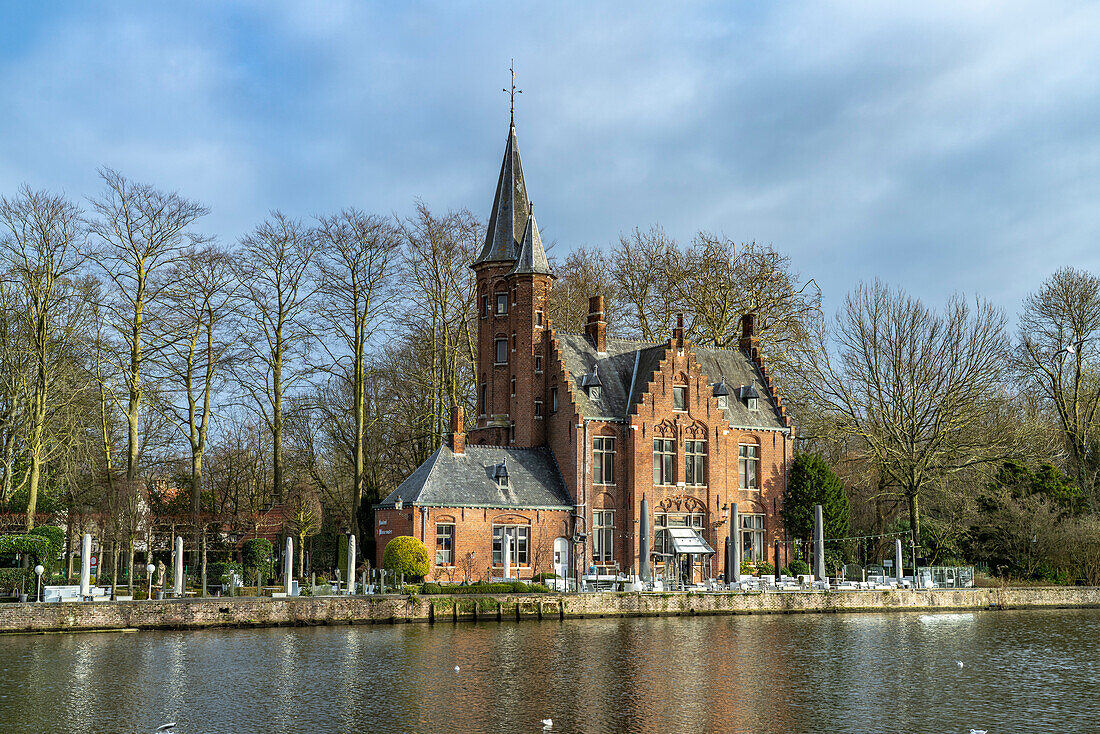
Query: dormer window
[
  {"x": 750, "y": 397},
  {"x": 500, "y": 475},
  {"x": 722, "y": 395},
  {"x": 593, "y": 385},
  {"x": 502, "y": 304}
]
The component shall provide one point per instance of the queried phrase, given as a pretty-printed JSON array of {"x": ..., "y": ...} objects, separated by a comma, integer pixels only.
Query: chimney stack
[
  {"x": 748, "y": 333},
  {"x": 678, "y": 332},
  {"x": 458, "y": 436},
  {"x": 596, "y": 329}
]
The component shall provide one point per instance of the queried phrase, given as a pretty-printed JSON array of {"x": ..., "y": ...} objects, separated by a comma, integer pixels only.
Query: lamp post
[
  {"x": 38, "y": 570},
  {"x": 149, "y": 576}
]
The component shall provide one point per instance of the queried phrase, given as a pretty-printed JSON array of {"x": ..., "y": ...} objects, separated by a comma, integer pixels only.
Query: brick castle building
[{"x": 573, "y": 430}]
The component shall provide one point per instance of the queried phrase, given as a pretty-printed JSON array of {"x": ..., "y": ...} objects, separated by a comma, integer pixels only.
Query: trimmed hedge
[
  {"x": 216, "y": 573},
  {"x": 406, "y": 554},
  {"x": 797, "y": 568},
  {"x": 514, "y": 587},
  {"x": 256, "y": 554}
]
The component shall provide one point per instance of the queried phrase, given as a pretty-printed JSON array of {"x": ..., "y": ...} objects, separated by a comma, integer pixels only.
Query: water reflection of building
[{"x": 572, "y": 430}]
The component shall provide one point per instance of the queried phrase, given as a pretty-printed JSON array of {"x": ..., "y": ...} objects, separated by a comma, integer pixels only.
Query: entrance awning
[{"x": 687, "y": 541}]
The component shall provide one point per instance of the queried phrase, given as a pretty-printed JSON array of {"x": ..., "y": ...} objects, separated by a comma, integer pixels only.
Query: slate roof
[
  {"x": 447, "y": 479},
  {"x": 532, "y": 256},
  {"x": 511, "y": 208},
  {"x": 628, "y": 365}
]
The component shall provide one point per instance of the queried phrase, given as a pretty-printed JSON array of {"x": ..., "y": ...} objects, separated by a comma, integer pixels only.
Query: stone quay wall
[{"x": 307, "y": 611}]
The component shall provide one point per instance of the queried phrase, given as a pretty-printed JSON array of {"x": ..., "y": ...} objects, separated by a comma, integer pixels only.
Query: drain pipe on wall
[{"x": 581, "y": 514}]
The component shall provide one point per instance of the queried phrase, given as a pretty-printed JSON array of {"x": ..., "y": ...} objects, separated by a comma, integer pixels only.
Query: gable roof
[
  {"x": 628, "y": 365},
  {"x": 447, "y": 479}
]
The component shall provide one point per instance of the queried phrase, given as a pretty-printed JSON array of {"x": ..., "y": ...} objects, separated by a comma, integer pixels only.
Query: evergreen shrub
[{"x": 406, "y": 554}]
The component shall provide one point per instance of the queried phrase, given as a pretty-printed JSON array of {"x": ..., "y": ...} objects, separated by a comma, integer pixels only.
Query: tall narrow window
[
  {"x": 538, "y": 318},
  {"x": 664, "y": 451},
  {"x": 484, "y": 306},
  {"x": 502, "y": 304},
  {"x": 513, "y": 341},
  {"x": 538, "y": 365},
  {"x": 695, "y": 462},
  {"x": 538, "y": 409},
  {"x": 748, "y": 458},
  {"x": 483, "y": 399},
  {"x": 502, "y": 351},
  {"x": 444, "y": 544},
  {"x": 752, "y": 538},
  {"x": 512, "y": 432},
  {"x": 513, "y": 386},
  {"x": 553, "y": 400},
  {"x": 603, "y": 460},
  {"x": 603, "y": 537},
  {"x": 679, "y": 397}
]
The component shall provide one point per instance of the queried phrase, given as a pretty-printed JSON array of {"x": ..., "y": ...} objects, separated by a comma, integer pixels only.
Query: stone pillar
[
  {"x": 288, "y": 564},
  {"x": 733, "y": 575},
  {"x": 898, "y": 573},
  {"x": 177, "y": 567},
  {"x": 819, "y": 544},
  {"x": 86, "y": 566},
  {"x": 644, "y": 571},
  {"x": 351, "y": 565}
]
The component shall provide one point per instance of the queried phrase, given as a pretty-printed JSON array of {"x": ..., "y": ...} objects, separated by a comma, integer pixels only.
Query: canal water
[{"x": 1020, "y": 672}]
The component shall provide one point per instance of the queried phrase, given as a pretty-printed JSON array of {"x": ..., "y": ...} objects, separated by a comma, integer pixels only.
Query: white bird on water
[
  {"x": 978, "y": 731},
  {"x": 547, "y": 723},
  {"x": 456, "y": 668},
  {"x": 959, "y": 663}
]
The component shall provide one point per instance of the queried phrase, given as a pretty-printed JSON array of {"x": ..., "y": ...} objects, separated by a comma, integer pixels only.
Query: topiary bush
[
  {"x": 56, "y": 536},
  {"x": 256, "y": 555},
  {"x": 406, "y": 554},
  {"x": 540, "y": 577},
  {"x": 35, "y": 546}
]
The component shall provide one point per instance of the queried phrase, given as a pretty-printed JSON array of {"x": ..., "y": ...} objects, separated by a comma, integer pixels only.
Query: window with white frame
[
  {"x": 517, "y": 538},
  {"x": 444, "y": 544},
  {"x": 748, "y": 460},
  {"x": 538, "y": 365},
  {"x": 502, "y": 304},
  {"x": 502, "y": 351},
  {"x": 752, "y": 538},
  {"x": 603, "y": 537},
  {"x": 603, "y": 460},
  {"x": 695, "y": 462},
  {"x": 538, "y": 409},
  {"x": 664, "y": 455}
]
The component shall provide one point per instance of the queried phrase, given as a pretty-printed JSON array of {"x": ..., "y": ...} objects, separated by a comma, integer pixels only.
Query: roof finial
[{"x": 513, "y": 92}]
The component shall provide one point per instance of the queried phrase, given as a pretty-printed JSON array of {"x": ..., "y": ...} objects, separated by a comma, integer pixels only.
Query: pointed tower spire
[
  {"x": 531, "y": 257},
  {"x": 511, "y": 208}
]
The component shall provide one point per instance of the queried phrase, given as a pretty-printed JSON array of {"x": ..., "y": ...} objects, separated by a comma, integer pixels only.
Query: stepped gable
[
  {"x": 629, "y": 366},
  {"x": 467, "y": 480}
]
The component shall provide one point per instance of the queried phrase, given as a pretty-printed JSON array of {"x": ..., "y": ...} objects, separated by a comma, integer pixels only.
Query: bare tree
[
  {"x": 201, "y": 302},
  {"x": 584, "y": 273},
  {"x": 642, "y": 264},
  {"x": 43, "y": 239},
  {"x": 356, "y": 272},
  {"x": 913, "y": 385},
  {"x": 274, "y": 271},
  {"x": 141, "y": 230},
  {"x": 437, "y": 253},
  {"x": 1059, "y": 358}
]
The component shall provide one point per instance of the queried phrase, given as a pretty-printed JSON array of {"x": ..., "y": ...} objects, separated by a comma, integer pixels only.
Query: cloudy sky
[{"x": 941, "y": 147}]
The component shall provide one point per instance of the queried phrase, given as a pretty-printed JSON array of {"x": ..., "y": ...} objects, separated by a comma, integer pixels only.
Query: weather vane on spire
[{"x": 513, "y": 92}]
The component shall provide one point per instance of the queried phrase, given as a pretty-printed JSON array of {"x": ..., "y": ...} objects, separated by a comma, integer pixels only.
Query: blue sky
[{"x": 942, "y": 147}]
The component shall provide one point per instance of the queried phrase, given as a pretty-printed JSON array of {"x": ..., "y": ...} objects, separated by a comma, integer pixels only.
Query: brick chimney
[
  {"x": 457, "y": 441},
  {"x": 678, "y": 331},
  {"x": 596, "y": 329},
  {"x": 748, "y": 333}
]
